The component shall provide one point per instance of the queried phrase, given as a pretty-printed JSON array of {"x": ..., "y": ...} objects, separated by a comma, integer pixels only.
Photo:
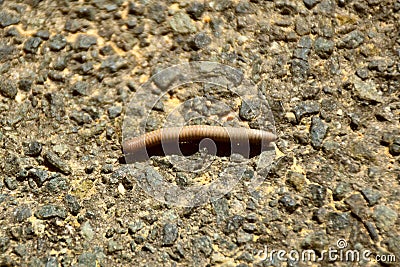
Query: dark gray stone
[
  {"x": 150, "y": 248},
  {"x": 114, "y": 112},
  {"x": 372, "y": 230},
  {"x": 51, "y": 211},
  {"x": 302, "y": 26},
  {"x": 57, "y": 184},
  {"x": 60, "y": 62},
  {"x": 318, "y": 195},
  {"x": 195, "y": 10},
  {"x": 170, "y": 234},
  {"x": 300, "y": 69},
  {"x": 221, "y": 209},
  {"x": 388, "y": 138},
  {"x": 351, "y": 40},
  {"x": 288, "y": 203},
  {"x": 10, "y": 183},
  {"x": 393, "y": 242},
  {"x": 85, "y": 41},
  {"x": 323, "y": 47},
  {"x": 56, "y": 76},
  {"x": 22, "y": 213},
  {"x": 25, "y": 84},
  {"x": 385, "y": 218},
  {"x": 56, "y": 162},
  {"x": 305, "y": 42},
  {"x": 43, "y": 34},
  {"x": 7, "y": 19},
  {"x": 33, "y": 149},
  {"x": 362, "y": 73},
  {"x": 114, "y": 63},
  {"x": 233, "y": 224},
  {"x": 39, "y": 176},
  {"x": 379, "y": 65},
  {"x": 132, "y": 22},
  {"x": 357, "y": 206},
  {"x": 52, "y": 262},
  {"x": 157, "y": 12},
  {"x": 107, "y": 50},
  {"x": 318, "y": 132},
  {"x": 310, "y": 3},
  {"x": 86, "y": 12},
  {"x": 222, "y": 5},
  {"x": 87, "y": 259},
  {"x": 286, "y": 7},
  {"x": 136, "y": 8},
  {"x": 4, "y": 243},
  {"x": 6, "y": 52},
  {"x": 57, "y": 42},
  {"x": 306, "y": 108},
  {"x": 316, "y": 241},
  {"x": 249, "y": 110},
  {"x": 366, "y": 90},
  {"x": 73, "y": 25},
  {"x": 319, "y": 215},
  {"x": 81, "y": 117},
  {"x": 122, "y": 175},
  {"x": 337, "y": 222},
  {"x": 8, "y": 88},
  {"x": 164, "y": 79},
  {"x": 301, "y": 53},
  {"x": 394, "y": 148},
  {"x": 242, "y": 237},
  {"x": 360, "y": 150},
  {"x": 107, "y": 168},
  {"x": 244, "y": 7},
  {"x": 249, "y": 227},
  {"x": 246, "y": 257},
  {"x": 181, "y": 23},
  {"x": 114, "y": 246},
  {"x": 203, "y": 244},
  {"x": 20, "y": 250},
  {"x": 200, "y": 41},
  {"x": 134, "y": 227},
  {"x": 32, "y": 45},
  {"x": 72, "y": 204},
  {"x": 371, "y": 195},
  {"x": 79, "y": 88}
]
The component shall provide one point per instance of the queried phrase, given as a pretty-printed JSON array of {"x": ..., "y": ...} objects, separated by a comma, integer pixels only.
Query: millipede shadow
[{"x": 223, "y": 149}]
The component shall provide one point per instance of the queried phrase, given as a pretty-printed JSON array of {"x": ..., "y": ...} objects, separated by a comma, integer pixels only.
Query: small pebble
[
  {"x": 8, "y": 88},
  {"x": 32, "y": 45},
  {"x": 200, "y": 41},
  {"x": 53, "y": 160},
  {"x": 170, "y": 234},
  {"x": 57, "y": 42},
  {"x": 33, "y": 149},
  {"x": 318, "y": 131},
  {"x": 51, "y": 211},
  {"x": 114, "y": 112},
  {"x": 84, "y": 42},
  {"x": 11, "y": 183},
  {"x": 306, "y": 108}
]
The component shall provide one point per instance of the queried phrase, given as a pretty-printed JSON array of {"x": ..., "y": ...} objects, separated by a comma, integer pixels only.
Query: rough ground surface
[{"x": 330, "y": 71}]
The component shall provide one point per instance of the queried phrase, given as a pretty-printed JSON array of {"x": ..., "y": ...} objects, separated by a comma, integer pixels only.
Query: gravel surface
[{"x": 330, "y": 70}]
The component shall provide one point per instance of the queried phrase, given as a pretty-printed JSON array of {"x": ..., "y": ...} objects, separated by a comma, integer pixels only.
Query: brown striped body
[{"x": 170, "y": 139}]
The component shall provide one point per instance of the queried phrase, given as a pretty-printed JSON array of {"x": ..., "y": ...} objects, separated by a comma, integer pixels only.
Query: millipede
[{"x": 187, "y": 140}]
